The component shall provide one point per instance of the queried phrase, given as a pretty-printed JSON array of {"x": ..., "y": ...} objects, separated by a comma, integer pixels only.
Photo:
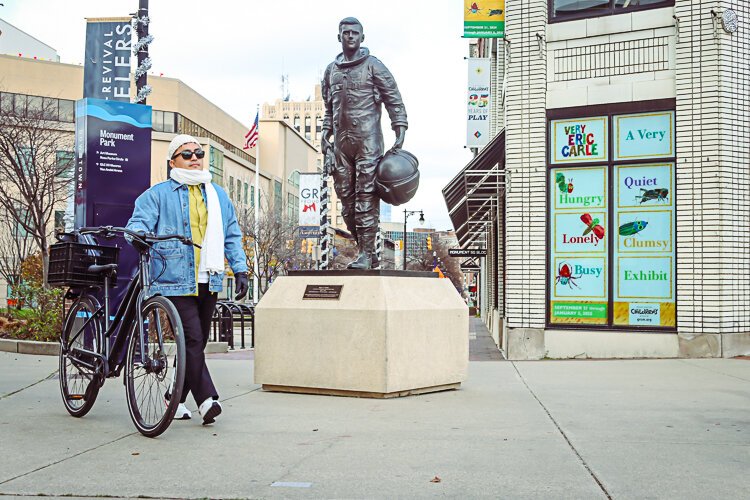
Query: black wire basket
[{"x": 69, "y": 264}]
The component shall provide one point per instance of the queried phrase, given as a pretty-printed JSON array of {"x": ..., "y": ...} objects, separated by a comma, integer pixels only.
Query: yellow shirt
[{"x": 198, "y": 223}]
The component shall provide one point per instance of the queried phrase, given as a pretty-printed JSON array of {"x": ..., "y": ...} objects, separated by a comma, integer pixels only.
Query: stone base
[
  {"x": 388, "y": 334},
  {"x": 359, "y": 394}
]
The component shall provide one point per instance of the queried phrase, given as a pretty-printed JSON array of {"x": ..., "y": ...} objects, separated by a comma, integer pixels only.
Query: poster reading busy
[
  {"x": 644, "y": 257},
  {"x": 578, "y": 141},
  {"x": 578, "y": 256}
]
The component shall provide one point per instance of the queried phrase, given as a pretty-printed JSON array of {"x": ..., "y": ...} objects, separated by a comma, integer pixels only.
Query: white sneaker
[
  {"x": 209, "y": 410},
  {"x": 182, "y": 412}
]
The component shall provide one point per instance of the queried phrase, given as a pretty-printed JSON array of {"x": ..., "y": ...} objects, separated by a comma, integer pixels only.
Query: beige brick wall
[
  {"x": 713, "y": 186},
  {"x": 525, "y": 159}
]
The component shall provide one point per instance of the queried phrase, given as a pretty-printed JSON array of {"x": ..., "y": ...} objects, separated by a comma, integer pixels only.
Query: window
[
  {"x": 277, "y": 201},
  {"x": 308, "y": 122},
  {"x": 163, "y": 121},
  {"x": 238, "y": 192},
  {"x": 231, "y": 187},
  {"x": 294, "y": 178},
  {"x": 339, "y": 220},
  {"x": 46, "y": 108},
  {"x": 565, "y": 10},
  {"x": 246, "y": 191},
  {"x": 612, "y": 220},
  {"x": 66, "y": 110},
  {"x": 216, "y": 166},
  {"x": 59, "y": 221},
  {"x": 252, "y": 195},
  {"x": 65, "y": 163},
  {"x": 296, "y": 123},
  {"x": 292, "y": 207}
]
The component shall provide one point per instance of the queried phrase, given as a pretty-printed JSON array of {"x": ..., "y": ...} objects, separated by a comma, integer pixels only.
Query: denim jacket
[{"x": 165, "y": 209}]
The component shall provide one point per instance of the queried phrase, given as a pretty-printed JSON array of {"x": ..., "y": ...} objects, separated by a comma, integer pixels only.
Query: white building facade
[{"x": 615, "y": 209}]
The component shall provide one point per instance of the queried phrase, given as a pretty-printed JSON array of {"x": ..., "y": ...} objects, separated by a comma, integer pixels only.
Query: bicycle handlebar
[{"x": 144, "y": 237}]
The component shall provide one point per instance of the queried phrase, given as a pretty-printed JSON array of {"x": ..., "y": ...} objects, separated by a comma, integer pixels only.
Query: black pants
[{"x": 195, "y": 313}]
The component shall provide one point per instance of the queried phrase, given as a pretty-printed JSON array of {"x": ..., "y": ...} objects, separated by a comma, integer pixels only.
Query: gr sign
[
  {"x": 467, "y": 252},
  {"x": 309, "y": 205}
]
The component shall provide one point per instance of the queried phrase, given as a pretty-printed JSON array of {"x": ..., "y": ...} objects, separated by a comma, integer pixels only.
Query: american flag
[{"x": 251, "y": 138}]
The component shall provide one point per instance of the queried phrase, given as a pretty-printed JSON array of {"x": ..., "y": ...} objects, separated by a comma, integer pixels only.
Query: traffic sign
[{"x": 467, "y": 252}]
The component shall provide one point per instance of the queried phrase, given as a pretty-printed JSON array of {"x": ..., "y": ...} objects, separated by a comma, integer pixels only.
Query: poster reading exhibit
[{"x": 644, "y": 256}]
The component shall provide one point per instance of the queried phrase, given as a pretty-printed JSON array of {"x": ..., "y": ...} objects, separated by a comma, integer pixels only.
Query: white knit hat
[{"x": 179, "y": 141}]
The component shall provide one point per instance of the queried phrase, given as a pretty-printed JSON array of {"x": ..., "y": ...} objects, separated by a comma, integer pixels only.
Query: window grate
[{"x": 612, "y": 59}]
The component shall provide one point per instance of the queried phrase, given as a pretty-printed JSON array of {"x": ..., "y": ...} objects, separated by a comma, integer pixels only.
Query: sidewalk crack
[
  {"x": 67, "y": 458},
  {"x": 562, "y": 433},
  {"x": 48, "y": 377}
]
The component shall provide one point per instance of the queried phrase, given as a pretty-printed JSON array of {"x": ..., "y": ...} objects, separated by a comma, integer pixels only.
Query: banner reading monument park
[{"x": 638, "y": 224}]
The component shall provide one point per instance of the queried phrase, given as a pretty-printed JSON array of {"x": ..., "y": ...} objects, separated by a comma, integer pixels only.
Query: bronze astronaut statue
[{"x": 354, "y": 87}]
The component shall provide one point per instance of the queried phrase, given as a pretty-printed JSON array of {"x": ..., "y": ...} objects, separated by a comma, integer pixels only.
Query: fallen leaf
[
  {"x": 135, "y": 453},
  {"x": 315, "y": 430},
  {"x": 435, "y": 479}
]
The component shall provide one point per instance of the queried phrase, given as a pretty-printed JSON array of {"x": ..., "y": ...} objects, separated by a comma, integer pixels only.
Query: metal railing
[{"x": 227, "y": 315}]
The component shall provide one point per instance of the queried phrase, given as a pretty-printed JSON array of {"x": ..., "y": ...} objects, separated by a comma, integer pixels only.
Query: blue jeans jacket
[{"x": 165, "y": 209}]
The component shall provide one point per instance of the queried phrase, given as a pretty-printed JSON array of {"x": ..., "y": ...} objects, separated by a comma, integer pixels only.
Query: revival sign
[{"x": 106, "y": 72}]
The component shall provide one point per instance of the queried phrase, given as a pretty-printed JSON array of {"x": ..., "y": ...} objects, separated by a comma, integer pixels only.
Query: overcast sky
[{"x": 234, "y": 52}]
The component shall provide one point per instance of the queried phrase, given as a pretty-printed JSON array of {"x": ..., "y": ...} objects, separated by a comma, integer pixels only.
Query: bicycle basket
[{"x": 69, "y": 263}]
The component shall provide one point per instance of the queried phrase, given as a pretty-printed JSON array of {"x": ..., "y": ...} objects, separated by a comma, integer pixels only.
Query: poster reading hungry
[{"x": 579, "y": 251}]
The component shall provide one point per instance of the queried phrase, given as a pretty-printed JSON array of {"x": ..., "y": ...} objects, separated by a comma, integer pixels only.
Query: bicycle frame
[{"x": 110, "y": 357}]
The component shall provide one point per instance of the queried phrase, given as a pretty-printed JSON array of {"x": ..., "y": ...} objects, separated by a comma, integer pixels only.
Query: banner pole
[{"x": 256, "y": 220}]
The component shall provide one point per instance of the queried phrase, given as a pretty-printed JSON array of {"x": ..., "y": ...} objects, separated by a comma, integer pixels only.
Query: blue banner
[{"x": 106, "y": 72}]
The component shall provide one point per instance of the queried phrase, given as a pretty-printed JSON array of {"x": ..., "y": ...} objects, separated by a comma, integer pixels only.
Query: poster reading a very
[{"x": 578, "y": 254}]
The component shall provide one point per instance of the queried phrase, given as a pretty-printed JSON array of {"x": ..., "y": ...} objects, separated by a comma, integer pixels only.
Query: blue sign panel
[
  {"x": 113, "y": 167},
  {"x": 106, "y": 72}
]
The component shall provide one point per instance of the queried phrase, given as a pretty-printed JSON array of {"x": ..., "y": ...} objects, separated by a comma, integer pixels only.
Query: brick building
[{"x": 613, "y": 198}]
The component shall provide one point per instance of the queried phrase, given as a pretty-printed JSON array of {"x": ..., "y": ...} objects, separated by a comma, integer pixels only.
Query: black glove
[
  {"x": 139, "y": 245},
  {"x": 241, "y": 286}
]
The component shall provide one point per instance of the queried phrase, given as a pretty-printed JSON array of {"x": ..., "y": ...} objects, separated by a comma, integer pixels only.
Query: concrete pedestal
[{"x": 389, "y": 333}]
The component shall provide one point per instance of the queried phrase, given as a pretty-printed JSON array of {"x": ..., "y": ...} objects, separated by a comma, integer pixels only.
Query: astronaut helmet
[{"x": 397, "y": 177}]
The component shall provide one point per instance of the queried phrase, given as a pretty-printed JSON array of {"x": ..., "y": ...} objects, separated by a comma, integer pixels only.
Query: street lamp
[{"x": 407, "y": 213}]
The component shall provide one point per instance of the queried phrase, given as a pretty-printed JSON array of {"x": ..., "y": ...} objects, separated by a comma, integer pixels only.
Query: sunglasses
[{"x": 187, "y": 154}]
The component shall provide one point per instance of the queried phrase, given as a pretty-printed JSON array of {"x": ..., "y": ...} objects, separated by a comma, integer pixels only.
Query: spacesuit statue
[{"x": 354, "y": 87}]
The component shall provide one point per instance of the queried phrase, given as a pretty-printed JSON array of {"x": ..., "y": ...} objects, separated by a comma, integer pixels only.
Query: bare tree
[
  {"x": 15, "y": 247},
  {"x": 426, "y": 260},
  {"x": 276, "y": 240},
  {"x": 34, "y": 161}
]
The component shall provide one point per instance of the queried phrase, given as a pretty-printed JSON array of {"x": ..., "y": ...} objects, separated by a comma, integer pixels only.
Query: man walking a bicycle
[{"x": 189, "y": 204}]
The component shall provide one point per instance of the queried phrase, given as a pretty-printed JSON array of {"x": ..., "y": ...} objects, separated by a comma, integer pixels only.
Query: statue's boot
[{"x": 366, "y": 259}]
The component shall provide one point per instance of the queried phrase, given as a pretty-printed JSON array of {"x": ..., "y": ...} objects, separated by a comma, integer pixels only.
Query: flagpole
[{"x": 256, "y": 202}]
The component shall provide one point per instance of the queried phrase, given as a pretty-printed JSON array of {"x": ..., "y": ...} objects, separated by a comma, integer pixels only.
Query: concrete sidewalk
[{"x": 559, "y": 429}]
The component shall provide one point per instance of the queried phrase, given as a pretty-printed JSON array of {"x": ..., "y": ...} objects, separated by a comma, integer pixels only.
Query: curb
[{"x": 53, "y": 348}]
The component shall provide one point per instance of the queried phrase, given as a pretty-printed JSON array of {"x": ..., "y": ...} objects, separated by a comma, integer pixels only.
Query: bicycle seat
[{"x": 97, "y": 269}]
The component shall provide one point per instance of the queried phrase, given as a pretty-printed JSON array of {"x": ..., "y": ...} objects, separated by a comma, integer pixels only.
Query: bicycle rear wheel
[
  {"x": 153, "y": 381},
  {"x": 79, "y": 378}
]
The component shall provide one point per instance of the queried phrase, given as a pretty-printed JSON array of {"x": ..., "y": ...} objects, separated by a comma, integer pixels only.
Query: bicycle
[{"x": 149, "y": 342}]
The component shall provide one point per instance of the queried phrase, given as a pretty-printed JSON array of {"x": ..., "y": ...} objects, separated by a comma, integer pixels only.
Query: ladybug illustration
[{"x": 565, "y": 276}]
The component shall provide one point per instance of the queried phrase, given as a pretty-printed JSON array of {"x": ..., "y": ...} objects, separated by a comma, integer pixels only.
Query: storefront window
[
  {"x": 563, "y": 10},
  {"x": 612, "y": 221}
]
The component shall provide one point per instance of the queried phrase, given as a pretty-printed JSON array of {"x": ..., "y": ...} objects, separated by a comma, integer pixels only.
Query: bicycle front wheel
[
  {"x": 79, "y": 375},
  {"x": 155, "y": 367}
]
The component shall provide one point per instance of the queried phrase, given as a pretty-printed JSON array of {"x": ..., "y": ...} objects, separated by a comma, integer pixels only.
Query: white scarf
[{"x": 212, "y": 252}]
